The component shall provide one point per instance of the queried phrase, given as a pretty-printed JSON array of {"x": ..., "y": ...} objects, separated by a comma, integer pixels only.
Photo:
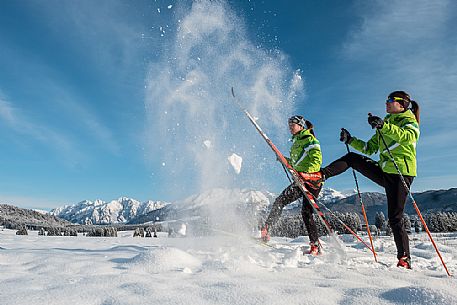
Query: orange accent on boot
[
  {"x": 314, "y": 250},
  {"x": 404, "y": 262}
]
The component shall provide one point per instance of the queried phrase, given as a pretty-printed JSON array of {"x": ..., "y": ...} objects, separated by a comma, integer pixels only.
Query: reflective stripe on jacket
[{"x": 305, "y": 153}]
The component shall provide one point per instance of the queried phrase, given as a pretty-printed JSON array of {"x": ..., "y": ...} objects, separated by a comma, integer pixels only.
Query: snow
[
  {"x": 207, "y": 144},
  {"x": 119, "y": 210},
  {"x": 235, "y": 161},
  {"x": 226, "y": 269}
]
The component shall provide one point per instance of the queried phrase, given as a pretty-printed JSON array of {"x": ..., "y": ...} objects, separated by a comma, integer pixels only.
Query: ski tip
[{"x": 233, "y": 92}]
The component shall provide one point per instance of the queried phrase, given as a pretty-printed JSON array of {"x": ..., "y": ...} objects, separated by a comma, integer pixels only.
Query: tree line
[{"x": 292, "y": 225}]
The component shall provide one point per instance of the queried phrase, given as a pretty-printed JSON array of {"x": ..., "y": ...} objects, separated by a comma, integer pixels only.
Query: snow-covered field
[{"x": 218, "y": 270}]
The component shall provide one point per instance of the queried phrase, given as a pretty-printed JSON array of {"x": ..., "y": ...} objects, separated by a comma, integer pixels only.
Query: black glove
[
  {"x": 345, "y": 136},
  {"x": 375, "y": 122}
]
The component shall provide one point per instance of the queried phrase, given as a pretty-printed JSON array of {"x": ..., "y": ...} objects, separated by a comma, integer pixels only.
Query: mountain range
[
  {"x": 219, "y": 202},
  {"x": 120, "y": 210}
]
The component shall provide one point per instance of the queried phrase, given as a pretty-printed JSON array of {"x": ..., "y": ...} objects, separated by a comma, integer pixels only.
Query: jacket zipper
[{"x": 406, "y": 163}]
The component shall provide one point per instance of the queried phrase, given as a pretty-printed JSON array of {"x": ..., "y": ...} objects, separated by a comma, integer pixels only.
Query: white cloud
[
  {"x": 81, "y": 115},
  {"x": 47, "y": 89},
  {"x": 101, "y": 32},
  {"x": 409, "y": 45},
  {"x": 15, "y": 120}
]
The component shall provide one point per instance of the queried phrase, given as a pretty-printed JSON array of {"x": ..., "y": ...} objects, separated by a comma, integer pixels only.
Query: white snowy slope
[
  {"x": 100, "y": 212},
  {"x": 222, "y": 269},
  {"x": 228, "y": 197}
]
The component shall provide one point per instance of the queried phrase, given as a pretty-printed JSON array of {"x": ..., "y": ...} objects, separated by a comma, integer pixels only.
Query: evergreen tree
[
  {"x": 380, "y": 221},
  {"x": 432, "y": 222},
  {"x": 22, "y": 231},
  {"x": 407, "y": 223},
  {"x": 453, "y": 221},
  {"x": 388, "y": 229},
  {"x": 417, "y": 226},
  {"x": 357, "y": 222}
]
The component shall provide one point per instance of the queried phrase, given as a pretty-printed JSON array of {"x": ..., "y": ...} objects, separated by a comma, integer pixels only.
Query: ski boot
[
  {"x": 404, "y": 262},
  {"x": 264, "y": 236},
  {"x": 314, "y": 249}
]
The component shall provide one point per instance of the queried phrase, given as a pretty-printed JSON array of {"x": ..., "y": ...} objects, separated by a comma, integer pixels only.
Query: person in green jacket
[
  {"x": 306, "y": 159},
  {"x": 400, "y": 130}
]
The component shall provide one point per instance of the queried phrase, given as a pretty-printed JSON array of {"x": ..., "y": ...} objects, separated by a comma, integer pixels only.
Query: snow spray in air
[{"x": 192, "y": 128}]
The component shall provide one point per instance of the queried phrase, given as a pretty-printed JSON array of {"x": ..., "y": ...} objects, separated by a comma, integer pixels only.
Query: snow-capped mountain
[
  {"x": 326, "y": 196},
  {"x": 214, "y": 203},
  {"x": 219, "y": 197},
  {"x": 120, "y": 210},
  {"x": 127, "y": 210},
  {"x": 329, "y": 195}
]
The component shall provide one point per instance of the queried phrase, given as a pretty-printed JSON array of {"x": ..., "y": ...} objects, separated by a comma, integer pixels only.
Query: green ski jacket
[
  {"x": 401, "y": 132},
  {"x": 305, "y": 153}
]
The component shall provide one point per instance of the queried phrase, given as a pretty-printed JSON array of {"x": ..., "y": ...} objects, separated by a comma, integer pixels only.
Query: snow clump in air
[{"x": 235, "y": 161}]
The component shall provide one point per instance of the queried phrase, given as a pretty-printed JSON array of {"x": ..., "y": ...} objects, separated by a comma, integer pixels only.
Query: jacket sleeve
[
  {"x": 408, "y": 133},
  {"x": 367, "y": 148}
]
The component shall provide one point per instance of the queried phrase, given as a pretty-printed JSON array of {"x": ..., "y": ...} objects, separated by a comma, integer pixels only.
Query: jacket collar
[
  {"x": 301, "y": 134},
  {"x": 396, "y": 116}
]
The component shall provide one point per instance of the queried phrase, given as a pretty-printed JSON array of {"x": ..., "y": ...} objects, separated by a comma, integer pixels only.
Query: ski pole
[
  {"x": 363, "y": 209},
  {"x": 412, "y": 200}
]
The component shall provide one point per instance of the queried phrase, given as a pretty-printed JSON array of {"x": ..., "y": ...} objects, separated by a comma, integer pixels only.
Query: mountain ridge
[
  {"x": 218, "y": 203},
  {"x": 100, "y": 212}
]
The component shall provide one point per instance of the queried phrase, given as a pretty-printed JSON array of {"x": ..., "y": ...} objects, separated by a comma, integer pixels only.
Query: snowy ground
[{"x": 218, "y": 270}]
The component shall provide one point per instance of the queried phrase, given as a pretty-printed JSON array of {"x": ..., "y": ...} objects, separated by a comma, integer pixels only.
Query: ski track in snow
[{"x": 219, "y": 270}]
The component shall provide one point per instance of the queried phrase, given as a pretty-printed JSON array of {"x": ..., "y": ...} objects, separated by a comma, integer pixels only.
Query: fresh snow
[
  {"x": 235, "y": 161},
  {"x": 207, "y": 144},
  {"x": 225, "y": 269}
]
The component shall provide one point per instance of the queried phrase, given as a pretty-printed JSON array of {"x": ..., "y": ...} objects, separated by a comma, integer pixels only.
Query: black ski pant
[
  {"x": 289, "y": 195},
  {"x": 395, "y": 191}
]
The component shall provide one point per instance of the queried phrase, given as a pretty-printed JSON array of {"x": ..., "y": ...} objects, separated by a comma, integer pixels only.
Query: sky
[{"x": 132, "y": 98}]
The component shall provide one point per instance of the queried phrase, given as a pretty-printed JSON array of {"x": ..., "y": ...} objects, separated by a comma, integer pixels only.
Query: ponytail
[
  {"x": 310, "y": 127},
  {"x": 416, "y": 110}
]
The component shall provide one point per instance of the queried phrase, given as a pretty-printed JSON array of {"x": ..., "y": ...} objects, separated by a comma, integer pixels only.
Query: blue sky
[{"x": 115, "y": 98}]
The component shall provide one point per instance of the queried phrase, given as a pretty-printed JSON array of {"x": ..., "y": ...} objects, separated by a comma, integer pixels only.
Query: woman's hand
[
  {"x": 345, "y": 136},
  {"x": 375, "y": 121}
]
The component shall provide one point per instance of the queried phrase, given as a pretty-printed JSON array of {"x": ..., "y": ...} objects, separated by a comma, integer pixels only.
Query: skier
[
  {"x": 306, "y": 159},
  {"x": 400, "y": 130}
]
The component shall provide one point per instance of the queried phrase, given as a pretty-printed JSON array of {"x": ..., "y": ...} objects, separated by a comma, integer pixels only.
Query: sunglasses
[{"x": 394, "y": 99}]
